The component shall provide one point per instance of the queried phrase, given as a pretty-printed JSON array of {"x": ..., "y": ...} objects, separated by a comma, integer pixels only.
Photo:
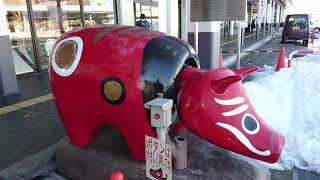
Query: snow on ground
[{"x": 289, "y": 100}]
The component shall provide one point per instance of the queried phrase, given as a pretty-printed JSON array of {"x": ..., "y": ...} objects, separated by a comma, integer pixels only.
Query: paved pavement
[
  {"x": 272, "y": 58},
  {"x": 229, "y": 43},
  {"x": 28, "y": 129}
]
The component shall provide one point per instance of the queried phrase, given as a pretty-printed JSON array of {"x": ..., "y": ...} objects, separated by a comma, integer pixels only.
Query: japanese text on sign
[{"x": 158, "y": 159}]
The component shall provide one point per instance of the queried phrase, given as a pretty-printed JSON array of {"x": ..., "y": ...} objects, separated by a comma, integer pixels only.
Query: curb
[
  {"x": 41, "y": 164},
  {"x": 233, "y": 59}
]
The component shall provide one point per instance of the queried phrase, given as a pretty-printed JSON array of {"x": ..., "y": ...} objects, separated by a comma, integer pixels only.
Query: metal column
[
  {"x": 196, "y": 37},
  {"x": 34, "y": 37},
  {"x": 239, "y": 44},
  {"x": 82, "y": 16}
]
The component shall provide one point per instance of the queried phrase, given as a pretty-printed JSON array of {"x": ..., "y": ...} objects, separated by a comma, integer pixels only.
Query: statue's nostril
[{"x": 250, "y": 123}]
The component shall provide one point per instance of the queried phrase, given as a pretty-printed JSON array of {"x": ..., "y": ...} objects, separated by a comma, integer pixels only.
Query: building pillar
[
  {"x": 8, "y": 81},
  {"x": 168, "y": 17},
  {"x": 125, "y": 12},
  {"x": 278, "y": 15},
  {"x": 231, "y": 28},
  {"x": 185, "y": 5},
  {"x": 209, "y": 43},
  {"x": 272, "y": 15}
]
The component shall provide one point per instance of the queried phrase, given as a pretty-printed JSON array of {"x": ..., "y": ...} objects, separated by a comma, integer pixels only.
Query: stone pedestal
[
  {"x": 110, "y": 153},
  {"x": 8, "y": 81}
]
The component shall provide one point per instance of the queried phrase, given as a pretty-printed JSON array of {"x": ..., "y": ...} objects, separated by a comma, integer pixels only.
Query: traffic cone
[
  {"x": 221, "y": 65},
  {"x": 116, "y": 175},
  {"x": 280, "y": 63}
]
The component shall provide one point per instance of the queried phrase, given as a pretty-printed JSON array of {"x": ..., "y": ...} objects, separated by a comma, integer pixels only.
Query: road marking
[
  {"x": 228, "y": 42},
  {"x": 24, "y": 104}
]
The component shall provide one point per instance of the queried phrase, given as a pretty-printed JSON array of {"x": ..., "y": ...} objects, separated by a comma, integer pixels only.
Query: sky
[{"x": 304, "y": 7}]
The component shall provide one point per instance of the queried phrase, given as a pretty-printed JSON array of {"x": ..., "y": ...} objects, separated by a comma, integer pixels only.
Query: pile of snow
[{"x": 289, "y": 100}]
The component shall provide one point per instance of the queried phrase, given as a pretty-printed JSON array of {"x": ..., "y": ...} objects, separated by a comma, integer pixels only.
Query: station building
[{"x": 33, "y": 24}]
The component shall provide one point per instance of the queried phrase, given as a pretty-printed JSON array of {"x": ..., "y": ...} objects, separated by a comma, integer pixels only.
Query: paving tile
[
  {"x": 30, "y": 86},
  {"x": 27, "y": 131}
]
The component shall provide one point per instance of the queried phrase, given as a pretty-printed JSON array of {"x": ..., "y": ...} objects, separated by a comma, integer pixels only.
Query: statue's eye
[
  {"x": 249, "y": 124},
  {"x": 66, "y": 56},
  {"x": 158, "y": 174}
]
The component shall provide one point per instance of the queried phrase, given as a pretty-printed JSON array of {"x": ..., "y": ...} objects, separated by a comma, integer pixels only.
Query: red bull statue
[{"x": 103, "y": 76}]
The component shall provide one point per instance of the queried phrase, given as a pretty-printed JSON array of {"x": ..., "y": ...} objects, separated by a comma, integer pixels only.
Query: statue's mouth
[{"x": 243, "y": 139}]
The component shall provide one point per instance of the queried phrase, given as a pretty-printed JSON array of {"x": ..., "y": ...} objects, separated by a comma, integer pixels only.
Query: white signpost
[
  {"x": 158, "y": 159},
  {"x": 262, "y": 10},
  {"x": 269, "y": 18}
]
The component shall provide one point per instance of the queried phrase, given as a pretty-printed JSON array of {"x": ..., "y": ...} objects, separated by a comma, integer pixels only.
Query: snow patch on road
[{"x": 289, "y": 100}]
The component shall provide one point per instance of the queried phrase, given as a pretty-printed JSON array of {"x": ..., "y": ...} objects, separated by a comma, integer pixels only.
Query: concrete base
[
  {"x": 8, "y": 81},
  {"x": 110, "y": 153}
]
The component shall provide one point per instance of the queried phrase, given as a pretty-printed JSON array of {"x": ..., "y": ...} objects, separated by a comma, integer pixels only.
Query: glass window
[
  {"x": 298, "y": 22},
  {"x": 154, "y": 18},
  {"x": 20, "y": 35},
  {"x": 98, "y": 12},
  {"x": 151, "y": 13},
  {"x": 53, "y": 19},
  {"x": 127, "y": 13}
]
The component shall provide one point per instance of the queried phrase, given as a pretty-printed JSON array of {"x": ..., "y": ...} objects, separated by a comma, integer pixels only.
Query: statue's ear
[
  {"x": 244, "y": 72},
  {"x": 221, "y": 85}
]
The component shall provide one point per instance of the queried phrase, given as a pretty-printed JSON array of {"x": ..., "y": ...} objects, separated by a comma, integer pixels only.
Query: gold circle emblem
[{"x": 112, "y": 90}]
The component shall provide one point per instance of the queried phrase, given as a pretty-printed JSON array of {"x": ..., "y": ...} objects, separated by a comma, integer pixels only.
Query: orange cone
[
  {"x": 221, "y": 65},
  {"x": 280, "y": 63}
]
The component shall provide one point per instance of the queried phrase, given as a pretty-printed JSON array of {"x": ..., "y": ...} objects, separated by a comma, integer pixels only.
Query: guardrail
[
  {"x": 258, "y": 51},
  {"x": 302, "y": 52}
]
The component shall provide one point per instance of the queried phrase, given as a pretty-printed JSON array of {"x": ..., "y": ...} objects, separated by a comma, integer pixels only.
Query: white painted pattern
[
  {"x": 229, "y": 102},
  {"x": 236, "y": 111},
  {"x": 243, "y": 139},
  {"x": 69, "y": 71}
]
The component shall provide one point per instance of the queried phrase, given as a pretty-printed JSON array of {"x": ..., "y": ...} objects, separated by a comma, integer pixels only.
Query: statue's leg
[{"x": 81, "y": 130}]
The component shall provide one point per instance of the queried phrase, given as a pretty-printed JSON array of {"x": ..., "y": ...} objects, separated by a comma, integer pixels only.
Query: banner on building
[
  {"x": 218, "y": 10},
  {"x": 262, "y": 10},
  {"x": 269, "y": 18},
  {"x": 278, "y": 14}
]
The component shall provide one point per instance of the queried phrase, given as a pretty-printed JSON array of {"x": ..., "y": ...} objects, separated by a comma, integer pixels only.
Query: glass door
[
  {"x": 52, "y": 19},
  {"x": 20, "y": 36}
]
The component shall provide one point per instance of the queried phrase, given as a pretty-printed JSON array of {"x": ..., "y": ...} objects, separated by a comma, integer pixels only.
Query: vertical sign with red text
[{"x": 158, "y": 159}]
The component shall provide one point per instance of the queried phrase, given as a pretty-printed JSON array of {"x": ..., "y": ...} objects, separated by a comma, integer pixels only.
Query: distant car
[{"x": 296, "y": 27}]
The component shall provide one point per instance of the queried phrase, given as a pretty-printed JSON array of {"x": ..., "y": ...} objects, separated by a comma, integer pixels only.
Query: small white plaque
[{"x": 158, "y": 159}]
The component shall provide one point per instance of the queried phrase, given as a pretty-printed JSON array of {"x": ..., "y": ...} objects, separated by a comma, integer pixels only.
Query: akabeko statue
[{"x": 103, "y": 76}]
